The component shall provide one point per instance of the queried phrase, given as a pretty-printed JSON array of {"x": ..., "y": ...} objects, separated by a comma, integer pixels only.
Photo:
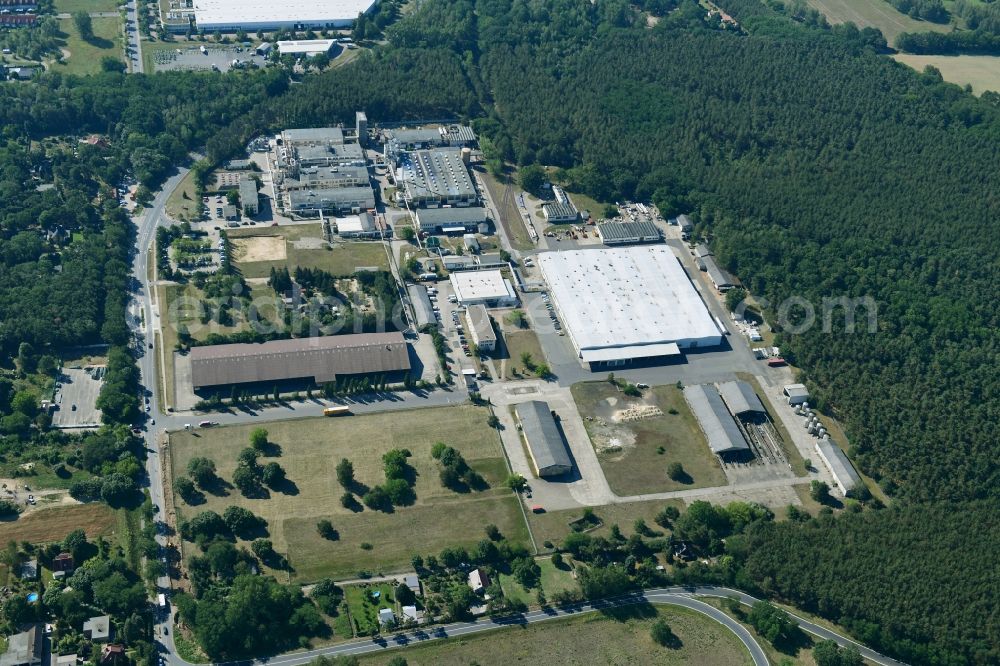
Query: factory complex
[
  {"x": 628, "y": 304},
  {"x": 254, "y": 15}
]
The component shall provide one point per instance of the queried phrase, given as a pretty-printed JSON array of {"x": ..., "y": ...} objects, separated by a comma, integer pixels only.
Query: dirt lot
[
  {"x": 629, "y": 433},
  {"x": 55, "y": 523},
  {"x": 259, "y": 248},
  {"x": 309, "y": 452}
]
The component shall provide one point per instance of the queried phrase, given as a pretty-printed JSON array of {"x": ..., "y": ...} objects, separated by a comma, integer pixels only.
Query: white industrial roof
[
  {"x": 636, "y": 351},
  {"x": 306, "y": 46},
  {"x": 627, "y": 299},
  {"x": 481, "y": 285},
  {"x": 355, "y": 224},
  {"x": 235, "y": 12}
]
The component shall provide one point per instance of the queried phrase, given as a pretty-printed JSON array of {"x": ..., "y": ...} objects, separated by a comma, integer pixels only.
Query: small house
[
  {"x": 63, "y": 562},
  {"x": 29, "y": 570},
  {"x": 98, "y": 629},
  {"x": 412, "y": 581},
  {"x": 478, "y": 580},
  {"x": 112, "y": 654}
]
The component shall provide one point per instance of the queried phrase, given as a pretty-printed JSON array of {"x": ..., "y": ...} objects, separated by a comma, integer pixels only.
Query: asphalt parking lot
[
  {"x": 191, "y": 58},
  {"x": 76, "y": 398}
]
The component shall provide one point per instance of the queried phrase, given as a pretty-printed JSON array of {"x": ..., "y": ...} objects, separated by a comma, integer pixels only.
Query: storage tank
[{"x": 466, "y": 155}]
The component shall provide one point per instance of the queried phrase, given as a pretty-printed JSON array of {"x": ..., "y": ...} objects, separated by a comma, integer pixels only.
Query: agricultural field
[
  {"x": 309, "y": 452},
  {"x": 85, "y": 57},
  {"x": 614, "y": 636},
  {"x": 256, "y": 251},
  {"x": 980, "y": 71},
  {"x": 634, "y": 455},
  {"x": 47, "y": 525},
  {"x": 875, "y": 13}
]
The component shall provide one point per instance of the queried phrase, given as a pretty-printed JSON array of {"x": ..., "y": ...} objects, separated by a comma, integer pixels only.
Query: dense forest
[{"x": 817, "y": 168}]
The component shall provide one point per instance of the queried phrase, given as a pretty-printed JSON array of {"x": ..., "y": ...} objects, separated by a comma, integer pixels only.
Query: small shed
[
  {"x": 386, "y": 617},
  {"x": 471, "y": 243},
  {"x": 796, "y": 394}
]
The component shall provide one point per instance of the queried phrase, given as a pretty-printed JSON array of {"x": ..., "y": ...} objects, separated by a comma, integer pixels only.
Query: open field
[
  {"x": 310, "y": 450},
  {"x": 178, "y": 207},
  {"x": 615, "y": 636},
  {"x": 554, "y": 580},
  {"x": 980, "y": 71},
  {"x": 85, "y": 57},
  {"x": 514, "y": 344},
  {"x": 54, "y": 524},
  {"x": 70, "y": 6},
  {"x": 628, "y": 452},
  {"x": 553, "y": 526},
  {"x": 303, "y": 246},
  {"x": 875, "y": 13}
]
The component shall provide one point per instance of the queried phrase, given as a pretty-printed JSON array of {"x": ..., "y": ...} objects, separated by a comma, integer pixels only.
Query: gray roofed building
[
  {"x": 481, "y": 328},
  {"x": 626, "y": 233},
  {"x": 720, "y": 429},
  {"x": 327, "y": 177},
  {"x": 29, "y": 570},
  {"x": 238, "y": 165},
  {"x": 98, "y": 629},
  {"x": 417, "y": 138},
  {"x": 248, "y": 195},
  {"x": 796, "y": 393},
  {"x": 560, "y": 212},
  {"x": 24, "y": 649},
  {"x": 435, "y": 219},
  {"x": 458, "y": 262},
  {"x": 322, "y": 359},
  {"x": 702, "y": 251},
  {"x": 313, "y": 136},
  {"x": 471, "y": 243},
  {"x": 545, "y": 442},
  {"x": 335, "y": 199},
  {"x": 310, "y": 156},
  {"x": 412, "y": 581},
  {"x": 843, "y": 472},
  {"x": 685, "y": 224},
  {"x": 63, "y": 660},
  {"x": 422, "y": 308},
  {"x": 491, "y": 260},
  {"x": 436, "y": 176},
  {"x": 722, "y": 280},
  {"x": 739, "y": 396}
]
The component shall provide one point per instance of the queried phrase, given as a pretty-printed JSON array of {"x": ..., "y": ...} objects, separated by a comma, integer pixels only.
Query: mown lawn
[
  {"x": 85, "y": 57},
  {"x": 309, "y": 452}
]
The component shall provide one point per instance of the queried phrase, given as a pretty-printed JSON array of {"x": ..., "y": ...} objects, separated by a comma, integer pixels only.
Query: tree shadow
[
  {"x": 286, "y": 487},
  {"x": 218, "y": 487},
  {"x": 791, "y": 645},
  {"x": 197, "y": 498},
  {"x": 643, "y": 611},
  {"x": 272, "y": 450},
  {"x": 258, "y": 531}
]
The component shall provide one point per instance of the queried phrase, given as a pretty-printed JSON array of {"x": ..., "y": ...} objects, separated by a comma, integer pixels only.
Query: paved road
[{"x": 135, "y": 42}]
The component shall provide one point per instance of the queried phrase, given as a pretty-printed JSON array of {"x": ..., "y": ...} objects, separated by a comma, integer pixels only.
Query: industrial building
[
  {"x": 435, "y": 178},
  {"x": 490, "y": 260},
  {"x": 722, "y": 280},
  {"x": 331, "y": 200},
  {"x": 303, "y": 157},
  {"x": 362, "y": 225},
  {"x": 489, "y": 288},
  {"x": 685, "y": 224},
  {"x": 248, "y": 196},
  {"x": 627, "y": 304},
  {"x": 796, "y": 394},
  {"x": 312, "y": 178},
  {"x": 451, "y": 220},
  {"x": 454, "y": 262},
  {"x": 321, "y": 359},
  {"x": 843, "y": 472},
  {"x": 308, "y": 47},
  {"x": 423, "y": 309},
  {"x": 628, "y": 233},
  {"x": 313, "y": 136},
  {"x": 723, "y": 434},
  {"x": 545, "y": 443},
  {"x": 254, "y": 15},
  {"x": 560, "y": 213},
  {"x": 481, "y": 328},
  {"x": 429, "y": 137},
  {"x": 740, "y": 398}
]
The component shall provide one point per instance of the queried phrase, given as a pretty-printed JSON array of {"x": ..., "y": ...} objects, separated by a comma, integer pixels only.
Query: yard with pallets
[
  {"x": 635, "y": 454},
  {"x": 309, "y": 452},
  {"x": 613, "y": 636},
  {"x": 258, "y": 249}
]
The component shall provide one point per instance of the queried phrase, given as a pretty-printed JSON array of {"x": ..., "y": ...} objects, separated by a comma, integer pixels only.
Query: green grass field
[
  {"x": 512, "y": 345},
  {"x": 310, "y": 451},
  {"x": 554, "y": 526},
  {"x": 981, "y": 72},
  {"x": 875, "y": 13},
  {"x": 179, "y": 207},
  {"x": 554, "y": 580},
  {"x": 365, "y": 601},
  {"x": 70, "y": 6},
  {"x": 615, "y": 636},
  {"x": 341, "y": 260},
  {"x": 638, "y": 468},
  {"x": 85, "y": 57}
]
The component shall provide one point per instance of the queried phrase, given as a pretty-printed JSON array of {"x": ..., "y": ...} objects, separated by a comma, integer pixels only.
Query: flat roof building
[
  {"x": 331, "y": 200},
  {"x": 638, "y": 304},
  {"x": 435, "y": 177},
  {"x": 361, "y": 225},
  {"x": 299, "y": 157},
  {"x": 489, "y": 288},
  {"x": 307, "y": 47},
  {"x": 545, "y": 443},
  {"x": 481, "y": 328},
  {"x": 628, "y": 233},
  {"x": 248, "y": 196},
  {"x": 423, "y": 310},
  {"x": 313, "y": 136},
  {"x": 740, "y": 398},
  {"x": 720, "y": 429},
  {"x": 321, "y": 359},
  {"x": 254, "y": 15},
  {"x": 25, "y": 648},
  {"x": 434, "y": 220},
  {"x": 843, "y": 472},
  {"x": 98, "y": 628},
  {"x": 324, "y": 177},
  {"x": 796, "y": 394}
]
